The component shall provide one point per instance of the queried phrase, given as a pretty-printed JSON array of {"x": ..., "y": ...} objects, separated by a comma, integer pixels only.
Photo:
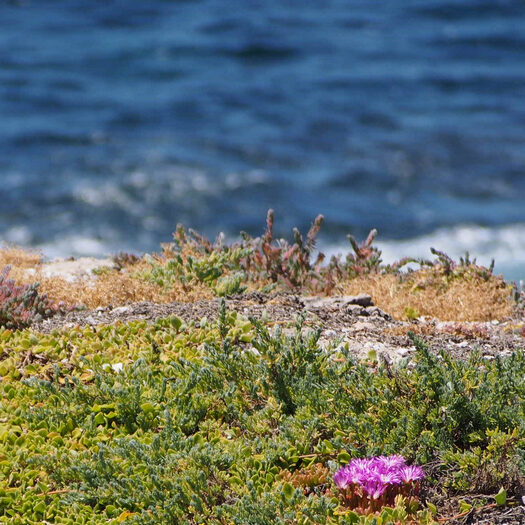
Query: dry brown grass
[
  {"x": 111, "y": 287},
  {"x": 425, "y": 294},
  {"x": 20, "y": 260},
  {"x": 19, "y": 257},
  {"x": 118, "y": 288},
  {"x": 460, "y": 300}
]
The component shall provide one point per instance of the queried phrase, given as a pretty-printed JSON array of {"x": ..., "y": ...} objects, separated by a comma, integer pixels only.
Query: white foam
[
  {"x": 73, "y": 246},
  {"x": 106, "y": 194},
  {"x": 18, "y": 235}
]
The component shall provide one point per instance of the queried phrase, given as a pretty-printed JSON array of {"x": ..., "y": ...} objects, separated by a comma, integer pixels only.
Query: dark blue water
[{"x": 120, "y": 119}]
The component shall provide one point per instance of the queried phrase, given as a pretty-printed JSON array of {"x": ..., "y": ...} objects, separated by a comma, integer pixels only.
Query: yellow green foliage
[{"x": 235, "y": 423}]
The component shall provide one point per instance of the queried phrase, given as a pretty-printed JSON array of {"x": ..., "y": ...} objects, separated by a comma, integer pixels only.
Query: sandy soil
[{"x": 72, "y": 269}]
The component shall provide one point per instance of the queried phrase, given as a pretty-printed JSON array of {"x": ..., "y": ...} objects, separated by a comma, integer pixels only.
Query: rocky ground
[{"x": 351, "y": 320}]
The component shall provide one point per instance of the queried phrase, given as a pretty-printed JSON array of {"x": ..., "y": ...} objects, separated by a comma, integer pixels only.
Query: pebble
[
  {"x": 342, "y": 301},
  {"x": 118, "y": 367},
  {"x": 375, "y": 311},
  {"x": 378, "y": 347},
  {"x": 354, "y": 309},
  {"x": 361, "y": 325},
  {"x": 121, "y": 309}
]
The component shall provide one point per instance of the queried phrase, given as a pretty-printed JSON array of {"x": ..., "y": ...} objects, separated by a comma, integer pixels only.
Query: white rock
[
  {"x": 121, "y": 309},
  {"x": 117, "y": 367},
  {"x": 71, "y": 270},
  {"x": 360, "y": 326}
]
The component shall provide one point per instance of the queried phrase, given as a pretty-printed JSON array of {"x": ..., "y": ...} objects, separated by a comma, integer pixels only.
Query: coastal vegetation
[
  {"x": 191, "y": 267},
  {"x": 243, "y": 420}
]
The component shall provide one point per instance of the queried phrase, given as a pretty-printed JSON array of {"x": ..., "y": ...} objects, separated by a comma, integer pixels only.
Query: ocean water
[{"x": 120, "y": 119}]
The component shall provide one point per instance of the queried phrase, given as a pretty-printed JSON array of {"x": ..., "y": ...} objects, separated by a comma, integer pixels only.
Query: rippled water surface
[{"x": 120, "y": 119}]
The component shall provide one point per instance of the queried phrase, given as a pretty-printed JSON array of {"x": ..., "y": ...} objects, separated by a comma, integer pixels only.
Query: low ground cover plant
[
  {"x": 240, "y": 422},
  {"x": 22, "y": 305}
]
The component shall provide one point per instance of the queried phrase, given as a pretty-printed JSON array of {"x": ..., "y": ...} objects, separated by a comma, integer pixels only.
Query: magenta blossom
[
  {"x": 375, "y": 489},
  {"x": 342, "y": 479},
  {"x": 393, "y": 461},
  {"x": 390, "y": 477},
  {"x": 410, "y": 473},
  {"x": 375, "y": 475}
]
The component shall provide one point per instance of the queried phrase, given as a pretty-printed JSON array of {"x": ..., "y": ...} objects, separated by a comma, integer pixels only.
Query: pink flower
[
  {"x": 390, "y": 477},
  {"x": 341, "y": 478},
  {"x": 375, "y": 475},
  {"x": 393, "y": 461},
  {"x": 410, "y": 473},
  {"x": 374, "y": 488}
]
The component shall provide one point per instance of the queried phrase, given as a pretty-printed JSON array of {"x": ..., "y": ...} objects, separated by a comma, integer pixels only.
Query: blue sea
[{"x": 120, "y": 119}]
